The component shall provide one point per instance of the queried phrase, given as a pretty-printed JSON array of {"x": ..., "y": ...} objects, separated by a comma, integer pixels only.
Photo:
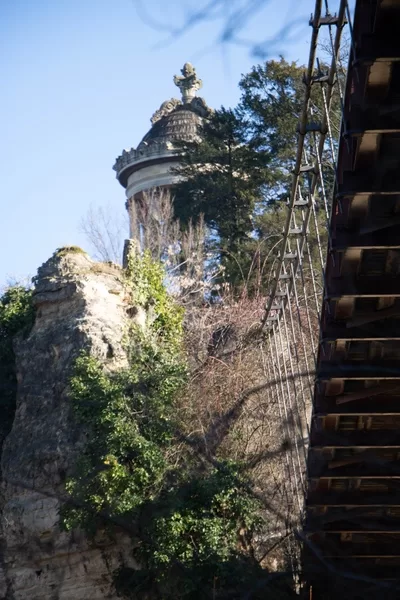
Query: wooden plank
[
  {"x": 319, "y": 449},
  {"x": 357, "y": 553},
  {"x": 352, "y": 499},
  {"x": 377, "y": 49},
  {"x": 367, "y": 317},
  {"x": 352, "y": 236},
  {"x": 380, "y": 370},
  {"x": 359, "y": 438},
  {"x": 349, "y": 527},
  {"x": 371, "y": 568},
  {"x": 359, "y": 471},
  {"x": 352, "y": 521},
  {"x": 377, "y": 404},
  {"x": 374, "y": 532},
  {"x": 379, "y": 332},
  {"x": 369, "y": 392},
  {"x": 387, "y": 239},
  {"x": 356, "y": 498},
  {"x": 366, "y": 181},
  {"x": 371, "y": 129},
  {"x": 363, "y": 287},
  {"x": 381, "y": 407},
  {"x": 374, "y": 118}
]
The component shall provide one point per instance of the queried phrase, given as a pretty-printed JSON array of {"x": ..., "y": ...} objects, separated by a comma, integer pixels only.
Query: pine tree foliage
[
  {"x": 270, "y": 107},
  {"x": 222, "y": 178}
]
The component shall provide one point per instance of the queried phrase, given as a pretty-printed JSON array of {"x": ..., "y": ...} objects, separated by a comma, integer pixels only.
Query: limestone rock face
[{"x": 79, "y": 305}]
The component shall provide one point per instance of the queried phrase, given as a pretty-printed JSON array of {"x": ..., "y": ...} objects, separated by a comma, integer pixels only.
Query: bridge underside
[{"x": 352, "y": 529}]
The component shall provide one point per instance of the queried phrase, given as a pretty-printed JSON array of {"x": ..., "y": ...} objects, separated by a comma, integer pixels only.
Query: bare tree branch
[{"x": 105, "y": 229}]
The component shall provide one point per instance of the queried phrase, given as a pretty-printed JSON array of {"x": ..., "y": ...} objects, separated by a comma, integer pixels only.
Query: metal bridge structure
[{"x": 333, "y": 312}]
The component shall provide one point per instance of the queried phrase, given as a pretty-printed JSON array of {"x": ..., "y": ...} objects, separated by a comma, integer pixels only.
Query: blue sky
[{"x": 80, "y": 81}]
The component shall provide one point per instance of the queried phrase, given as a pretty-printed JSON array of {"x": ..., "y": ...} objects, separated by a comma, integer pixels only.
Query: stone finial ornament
[{"x": 188, "y": 82}]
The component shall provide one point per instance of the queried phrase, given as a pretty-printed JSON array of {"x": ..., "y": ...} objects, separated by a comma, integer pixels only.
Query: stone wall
[{"x": 79, "y": 305}]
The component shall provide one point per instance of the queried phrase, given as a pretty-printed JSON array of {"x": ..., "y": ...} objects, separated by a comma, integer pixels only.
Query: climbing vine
[
  {"x": 145, "y": 279},
  {"x": 16, "y": 316},
  {"x": 192, "y": 520}
]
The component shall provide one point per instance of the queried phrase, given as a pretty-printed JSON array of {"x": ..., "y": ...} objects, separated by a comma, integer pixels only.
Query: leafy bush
[
  {"x": 16, "y": 315},
  {"x": 190, "y": 536}
]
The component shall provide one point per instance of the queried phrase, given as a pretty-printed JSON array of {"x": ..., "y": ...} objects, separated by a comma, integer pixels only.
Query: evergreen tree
[
  {"x": 270, "y": 106},
  {"x": 239, "y": 170},
  {"x": 222, "y": 178},
  {"x": 271, "y": 103}
]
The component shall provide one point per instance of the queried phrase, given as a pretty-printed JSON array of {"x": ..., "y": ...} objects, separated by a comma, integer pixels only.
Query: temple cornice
[{"x": 130, "y": 159}]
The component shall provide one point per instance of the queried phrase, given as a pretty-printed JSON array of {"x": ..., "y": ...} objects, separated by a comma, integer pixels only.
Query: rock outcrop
[{"x": 79, "y": 304}]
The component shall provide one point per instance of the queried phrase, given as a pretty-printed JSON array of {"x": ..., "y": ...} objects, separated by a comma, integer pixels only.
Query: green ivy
[
  {"x": 16, "y": 316},
  {"x": 130, "y": 418},
  {"x": 145, "y": 278}
]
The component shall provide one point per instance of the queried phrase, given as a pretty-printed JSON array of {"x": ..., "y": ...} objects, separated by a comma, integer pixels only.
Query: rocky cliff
[{"x": 79, "y": 305}]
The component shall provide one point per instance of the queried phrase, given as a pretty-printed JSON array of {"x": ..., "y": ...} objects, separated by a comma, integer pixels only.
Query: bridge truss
[{"x": 333, "y": 314}]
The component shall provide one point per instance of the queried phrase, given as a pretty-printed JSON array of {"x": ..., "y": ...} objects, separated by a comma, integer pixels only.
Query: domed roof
[{"x": 180, "y": 124}]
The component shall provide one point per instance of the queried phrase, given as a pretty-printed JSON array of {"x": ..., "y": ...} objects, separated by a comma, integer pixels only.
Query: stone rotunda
[{"x": 149, "y": 166}]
